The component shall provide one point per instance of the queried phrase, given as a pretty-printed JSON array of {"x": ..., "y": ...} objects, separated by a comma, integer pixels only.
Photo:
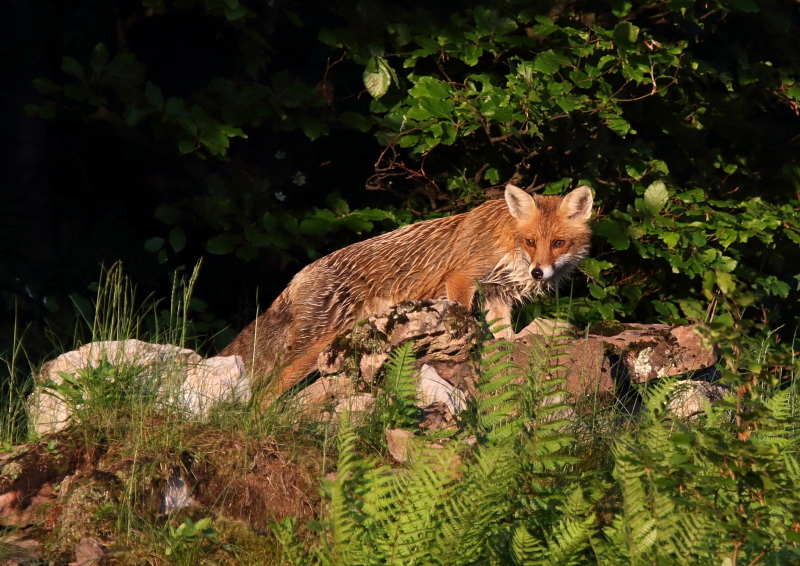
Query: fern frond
[
  {"x": 404, "y": 520},
  {"x": 400, "y": 388},
  {"x": 346, "y": 497},
  {"x": 291, "y": 550},
  {"x": 656, "y": 394},
  {"x": 639, "y": 526},
  {"x": 474, "y": 516},
  {"x": 570, "y": 538},
  {"x": 526, "y": 550}
]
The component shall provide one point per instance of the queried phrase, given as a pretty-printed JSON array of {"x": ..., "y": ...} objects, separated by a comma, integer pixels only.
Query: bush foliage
[{"x": 682, "y": 116}]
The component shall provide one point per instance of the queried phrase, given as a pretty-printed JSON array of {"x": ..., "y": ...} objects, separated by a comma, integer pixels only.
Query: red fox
[{"x": 512, "y": 248}]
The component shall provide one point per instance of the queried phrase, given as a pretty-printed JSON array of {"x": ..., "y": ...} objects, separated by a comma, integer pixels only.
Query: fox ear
[
  {"x": 520, "y": 204},
  {"x": 577, "y": 205}
]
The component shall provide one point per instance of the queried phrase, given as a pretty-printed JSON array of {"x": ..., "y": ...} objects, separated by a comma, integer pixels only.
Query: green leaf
[
  {"x": 153, "y": 244},
  {"x": 357, "y": 223},
  {"x": 44, "y": 111},
  {"x": 71, "y": 67},
  {"x": 235, "y": 13},
  {"x": 744, "y": 5},
  {"x": 355, "y": 120},
  {"x": 75, "y": 92},
  {"x": 222, "y": 244},
  {"x": 438, "y": 107},
  {"x": 328, "y": 37},
  {"x": 429, "y": 87},
  {"x": 614, "y": 233},
  {"x": 133, "y": 115},
  {"x": 124, "y": 71},
  {"x": 618, "y": 124},
  {"x": 724, "y": 281},
  {"x": 174, "y": 106},
  {"x": 377, "y": 77},
  {"x": 655, "y": 197},
  {"x": 373, "y": 214},
  {"x": 294, "y": 18},
  {"x": 625, "y": 33},
  {"x": 177, "y": 239},
  {"x": 636, "y": 168},
  {"x": 169, "y": 214},
  {"x": 621, "y": 8},
  {"x": 312, "y": 127},
  {"x": 291, "y": 224},
  {"x": 546, "y": 62},
  {"x": 45, "y": 86},
  {"x": 670, "y": 238},
  {"x": 592, "y": 267},
  {"x": 154, "y": 96},
  {"x": 315, "y": 226},
  {"x": 98, "y": 58},
  {"x": 597, "y": 291}
]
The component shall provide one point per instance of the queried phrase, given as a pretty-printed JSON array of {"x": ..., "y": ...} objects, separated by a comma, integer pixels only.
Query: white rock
[
  {"x": 218, "y": 379},
  {"x": 176, "y": 496},
  {"x": 431, "y": 389},
  {"x": 689, "y": 398},
  {"x": 180, "y": 375}
]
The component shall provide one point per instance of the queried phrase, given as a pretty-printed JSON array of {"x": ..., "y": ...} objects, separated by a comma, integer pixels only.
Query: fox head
[{"x": 551, "y": 230}]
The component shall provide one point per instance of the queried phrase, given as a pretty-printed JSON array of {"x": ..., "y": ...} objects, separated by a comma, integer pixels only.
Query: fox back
[{"x": 512, "y": 248}]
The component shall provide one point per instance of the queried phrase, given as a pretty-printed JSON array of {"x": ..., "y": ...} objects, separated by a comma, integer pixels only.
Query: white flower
[
  {"x": 280, "y": 155},
  {"x": 280, "y": 196},
  {"x": 299, "y": 178}
]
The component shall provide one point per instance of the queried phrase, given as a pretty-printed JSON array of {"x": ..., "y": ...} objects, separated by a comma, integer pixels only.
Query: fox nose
[{"x": 537, "y": 273}]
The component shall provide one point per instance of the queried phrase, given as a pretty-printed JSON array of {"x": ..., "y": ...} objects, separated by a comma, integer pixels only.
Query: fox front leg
[
  {"x": 461, "y": 290},
  {"x": 498, "y": 315}
]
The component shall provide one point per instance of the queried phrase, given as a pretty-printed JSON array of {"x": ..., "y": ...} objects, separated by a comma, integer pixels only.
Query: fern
[
  {"x": 291, "y": 551},
  {"x": 400, "y": 388},
  {"x": 497, "y": 403},
  {"x": 346, "y": 499},
  {"x": 526, "y": 550},
  {"x": 471, "y": 520},
  {"x": 656, "y": 395},
  {"x": 409, "y": 514}
]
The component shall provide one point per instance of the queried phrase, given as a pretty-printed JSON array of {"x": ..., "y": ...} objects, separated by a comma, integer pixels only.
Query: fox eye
[
  {"x": 530, "y": 243},
  {"x": 557, "y": 243}
]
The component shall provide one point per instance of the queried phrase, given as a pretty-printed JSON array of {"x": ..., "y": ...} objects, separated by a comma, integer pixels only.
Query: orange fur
[{"x": 511, "y": 248}]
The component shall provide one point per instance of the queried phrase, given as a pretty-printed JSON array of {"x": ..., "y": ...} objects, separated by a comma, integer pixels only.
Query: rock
[
  {"x": 650, "y": 351},
  {"x": 547, "y": 327},
  {"x": 582, "y": 362},
  {"x": 80, "y": 496},
  {"x": 356, "y": 405},
  {"x": 442, "y": 331},
  {"x": 371, "y": 364},
  {"x": 87, "y": 552},
  {"x": 433, "y": 389},
  {"x": 437, "y": 416},
  {"x": 176, "y": 495},
  {"x": 689, "y": 398},
  {"x": 20, "y": 552},
  {"x": 27, "y": 474},
  {"x": 215, "y": 380},
  {"x": 326, "y": 391},
  {"x": 180, "y": 376},
  {"x": 398, "y": 441}
]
